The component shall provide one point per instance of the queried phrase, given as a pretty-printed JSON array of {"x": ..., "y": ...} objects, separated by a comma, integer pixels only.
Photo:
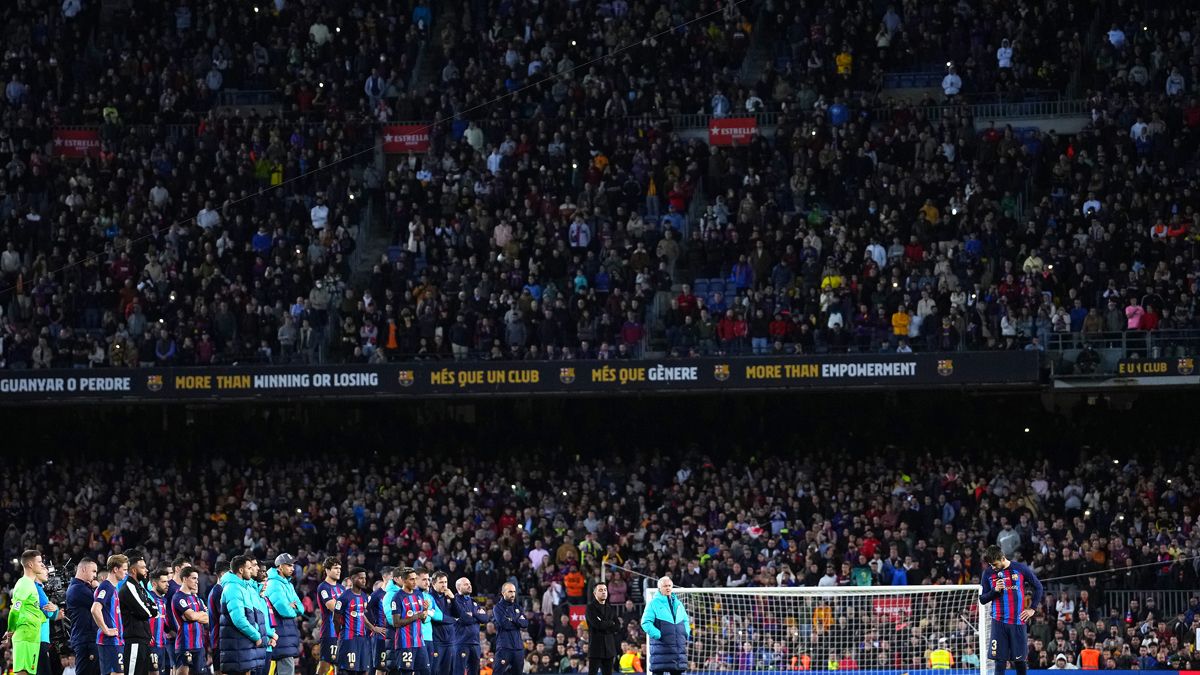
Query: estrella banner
[{"x": 404, "y": 138}]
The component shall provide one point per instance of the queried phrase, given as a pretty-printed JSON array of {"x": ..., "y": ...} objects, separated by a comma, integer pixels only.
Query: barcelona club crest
[
  {"x": 154, "y": 382},
  {"x": 1185, "y": 366},
  {"x": 405, "y": 378},
  {"x": 566, "y": 375},
  {"x": 721, "y": 372},
  {"x": 945, "y": 367}
]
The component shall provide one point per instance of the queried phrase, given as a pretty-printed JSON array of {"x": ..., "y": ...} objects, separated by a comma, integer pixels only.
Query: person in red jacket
[
  {"x": 731, "y": 332},
  {"x": 778, "y": 330},
  {"x": 1150, "y": 319},
  {"x": 687, "y": 302}
]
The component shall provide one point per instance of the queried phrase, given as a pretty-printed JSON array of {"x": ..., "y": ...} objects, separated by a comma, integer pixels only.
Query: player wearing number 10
[
  {"x": 1004, "y": 585},
  {"x": 355, "y": 651}
]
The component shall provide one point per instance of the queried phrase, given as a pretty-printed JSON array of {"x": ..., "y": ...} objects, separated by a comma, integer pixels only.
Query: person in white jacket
[
  {"x": 951, "y": 83},
  {"x": 1004, "y": 55},
  {"x": 1061, "y": 663}
]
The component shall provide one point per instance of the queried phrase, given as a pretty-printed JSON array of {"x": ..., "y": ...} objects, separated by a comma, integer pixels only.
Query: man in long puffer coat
[{"x": 666, "y": 622}]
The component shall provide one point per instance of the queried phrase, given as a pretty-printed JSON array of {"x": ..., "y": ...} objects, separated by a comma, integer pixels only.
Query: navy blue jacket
[
  {"x": 280, "y": 596},
  {"x": 665, "y": 621},
  {"x": 470, "y": 615},
  {"x": 79, "y": 611},
  {"x": 243, "y": 624},
  {"x": 445, "y": 630},
  {"x": 509, "y": 620}
]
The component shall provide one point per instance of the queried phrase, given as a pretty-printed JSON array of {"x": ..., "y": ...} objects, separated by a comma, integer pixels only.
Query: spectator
[{"x": 951, "y": 83}]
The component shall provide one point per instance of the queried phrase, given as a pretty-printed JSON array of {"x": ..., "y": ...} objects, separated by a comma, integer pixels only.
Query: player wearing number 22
[
  {"x": 1005, "y": 584},
  {"x": 408, "y": 653},
  {"x": 356, "y": 649}
]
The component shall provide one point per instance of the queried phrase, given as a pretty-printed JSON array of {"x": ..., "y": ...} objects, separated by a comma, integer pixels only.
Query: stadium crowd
[
  {"x": 551, "y": 524},
  {"x": 565, "y": 219}
]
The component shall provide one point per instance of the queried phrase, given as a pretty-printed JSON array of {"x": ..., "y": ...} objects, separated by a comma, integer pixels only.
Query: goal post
[{"x": 888, "y": 630}]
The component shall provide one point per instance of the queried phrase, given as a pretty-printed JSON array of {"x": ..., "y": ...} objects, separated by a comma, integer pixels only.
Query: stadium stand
[
  {"x": 1114, "y": 538},
  {"x": 564, "y": 219}
]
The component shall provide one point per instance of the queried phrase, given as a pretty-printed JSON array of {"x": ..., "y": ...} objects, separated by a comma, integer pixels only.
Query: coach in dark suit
[{"x": 603, "y": 625}]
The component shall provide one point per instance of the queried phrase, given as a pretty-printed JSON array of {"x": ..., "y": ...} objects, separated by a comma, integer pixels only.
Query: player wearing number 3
[{"x": 1004, "y": 585}]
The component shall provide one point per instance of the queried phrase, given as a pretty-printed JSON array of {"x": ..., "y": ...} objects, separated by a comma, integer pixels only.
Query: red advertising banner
[
  {"x": 578, "y": 615},
  {"x": 76, "y": 142},
  {"x": 732, "y": 130},
  {"x": 895, "y": 608},
  {"x": 401, "y": 138}
]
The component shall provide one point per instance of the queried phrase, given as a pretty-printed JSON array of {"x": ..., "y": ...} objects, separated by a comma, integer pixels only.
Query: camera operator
[
  {"x": 49, "y": 662},
  {"x": 79, "y": 613},
  {"x": 137, "y": 609}
]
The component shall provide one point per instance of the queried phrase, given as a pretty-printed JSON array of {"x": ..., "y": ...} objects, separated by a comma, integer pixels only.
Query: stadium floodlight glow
[{"x": 870, "y": 629}]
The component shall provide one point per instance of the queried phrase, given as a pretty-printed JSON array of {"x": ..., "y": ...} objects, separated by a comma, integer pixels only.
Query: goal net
[{"x": 878, "y": 629}]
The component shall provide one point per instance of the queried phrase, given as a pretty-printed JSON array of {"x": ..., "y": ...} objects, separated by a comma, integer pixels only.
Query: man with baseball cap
[{"x": 285, "y": 605}]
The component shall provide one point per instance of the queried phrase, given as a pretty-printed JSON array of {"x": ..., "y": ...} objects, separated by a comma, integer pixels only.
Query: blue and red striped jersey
[
  {"x": 406, "y": 605},
  {"x": 214, "y": 624},
  {"x": 172, "y": 588},
  {"x": 1006, "y": 590},
  {"x": 190, "y": 634},
  {"x": 106, "y": 595},
  {"x": 352, "y": 607},
  {"x": 158, "y": 624},
  {"x": 326, "y": 592}
]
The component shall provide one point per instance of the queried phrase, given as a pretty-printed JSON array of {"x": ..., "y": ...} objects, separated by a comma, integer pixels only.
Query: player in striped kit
[
  {"x": 355, "y": 628},
  {"x": 191, "y": 618},
  {"x": 407, "y": 609},
  {"x": 327, "y": 595},
  {"x": 106, "y": 612},
  {"x": 1004, "y": 585},
  {"x": 214, "y": 625},
  {"x": 172, "y": 588},
  {"x": 160, "y": 643}
]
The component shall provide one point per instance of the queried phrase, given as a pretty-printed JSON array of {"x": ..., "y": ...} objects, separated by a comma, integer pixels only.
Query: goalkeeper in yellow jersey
[{"x": 27, "y": 615}]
